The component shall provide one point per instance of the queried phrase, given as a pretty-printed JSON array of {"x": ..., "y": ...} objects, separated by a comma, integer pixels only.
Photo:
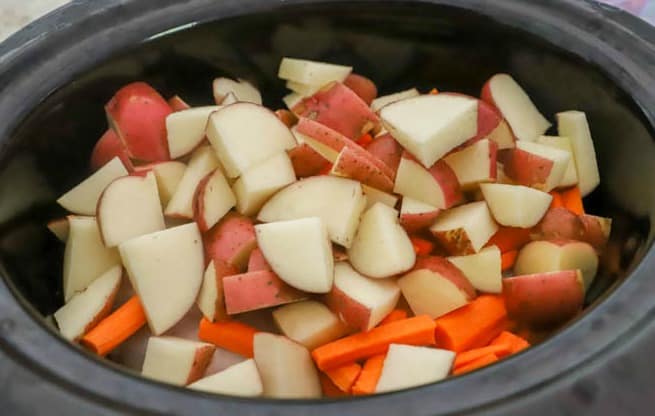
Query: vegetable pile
[{"x": 348, "y": 245}]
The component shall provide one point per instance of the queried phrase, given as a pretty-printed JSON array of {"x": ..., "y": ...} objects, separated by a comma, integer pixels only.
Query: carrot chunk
[
  {"x": 557, "y": 201},
  {"x": 328, "y": 388},
  {"x": 418, "y": 330},
  {"x": 368, "y": 378},
  {"x": 394, "y": 315},
  {"x": 422, "y": 247},
  {"x": 510, "y": 238},
  {"x": 473, "y": 325},
  {"x": 364, "y": 140},
  {"x": 230, "y": 335},
  {"x": 573, "y": 200},
  {"x": 116, "y": 328},
  {"x": 515, "y": 342},
  {"x": 500, "y": 350},
  {"x": 344, "y": 376},
  {"x": 508, "y": 259},
  {"x": 474, "y": 365}
]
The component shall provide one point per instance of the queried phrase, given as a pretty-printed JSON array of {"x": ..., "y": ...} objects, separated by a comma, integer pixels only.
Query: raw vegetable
[{"x": 230, "y": 335}]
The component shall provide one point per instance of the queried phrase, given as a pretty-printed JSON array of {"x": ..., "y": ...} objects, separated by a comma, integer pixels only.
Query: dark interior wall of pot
[{"x": 395, "y": 46}]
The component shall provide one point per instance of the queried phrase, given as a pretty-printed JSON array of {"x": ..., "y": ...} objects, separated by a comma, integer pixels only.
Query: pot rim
[{"x": 621, "y": 44}]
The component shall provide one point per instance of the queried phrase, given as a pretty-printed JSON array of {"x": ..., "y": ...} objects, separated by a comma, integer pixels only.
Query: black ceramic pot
[{"x": 56, "y": 74}]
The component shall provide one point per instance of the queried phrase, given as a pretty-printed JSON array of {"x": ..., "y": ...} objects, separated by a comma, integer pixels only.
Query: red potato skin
[
  {"x": 544, "y": 299},
  {"x": 445, "y": 177},
  {"x": 594, "y": 232},
  {"x": 417, "y": 222},
  {"x": 447, "y": 270},
  {"x": 108, "y": 147},
  {"x": 200, "y": 362},
  {"x": 362, "y": 86},
  {"x": 178, "y": 104},
  {"x": 307, "y": 161},
  {"x": 222, "y": 270},
  {"x": 338, "y": 141},
  {"x": 231, "y": 240},
  {"x": 448, "y": 182},
  {"x": 525, "y": 168},
  {"x": 287, "y": 117},
  {"x": 137, "y": 113},
  {"x": 387, "y": 149},
  {"x": 257, "y": 262},
  {"x": 559, "y": 223},
  {"x": 106, "y": 310},
  {"x": 456, "y": 242},
  {"x": 199, "y": 202},
  {"x": 353, "y": 313},
  {"x": 339, "y": 108},
  {"x": 488, "y": 120},
  {"x": 257, "y": 290},
  {"x": 353, "y": 165}
]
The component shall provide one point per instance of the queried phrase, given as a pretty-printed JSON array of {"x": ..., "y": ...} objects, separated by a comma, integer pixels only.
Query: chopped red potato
[{"x": 353, "y": 245}]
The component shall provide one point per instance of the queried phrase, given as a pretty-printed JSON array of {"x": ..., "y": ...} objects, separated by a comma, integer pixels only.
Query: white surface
[{"x": 15, "y": 14}]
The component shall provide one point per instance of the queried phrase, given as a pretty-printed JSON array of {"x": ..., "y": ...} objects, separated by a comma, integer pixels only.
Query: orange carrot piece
[
  {"x": 418, "y": 330},
  {"x": 573, "y": 200},
  {"x": 557, "y": 201},
  {"x": 434, "y": 91},
  {"x": 394, "y": 315},
  {"x": 422, "y": 247},
  {"x": 510, "y": 238},
  {"x": 344, "y": 376},
  {"x": 515, "y": 342},
  {"x": 326, "y": 170},
  {"x": 368, "y": 378},
  {"x": 473, "y": 325},
  {"x": 499, "y": 350},
  {"x": 230, "y": 335},
  {"x": 508, "y": 259},
  {"x": 328, "y": 387},
  {"x": 474, "y": 365},
  {"x": 116, "y": 328},
  {"x": 365, "y": 140}
]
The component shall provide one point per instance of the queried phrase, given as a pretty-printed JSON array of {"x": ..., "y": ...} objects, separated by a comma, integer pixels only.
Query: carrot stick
[
  {"x": 328, "y": 387},
  {"x": 434, "y": 91},
  {"x": 365, "y": 140},
  {"x": 466, "y": 357},
  {"x": 394, "y": 315},
  {"x": 368, "y": 378},
  {"x": 508, "y": 259},
  {"x": 573, "y": 200},
  {"x": 515, "y": 342},
  {"x": 510, "y": 238},
  {"x": 230, "y": 335},
  {"x": 344, "y": 376},
  {"x": 474, "y": 365},
  {"x": 418, "y": 330},
  {"x": 557, "y": 201},
  {"x": 473, "y": 325},
  {"x": 422, "y": 247},
  {"x": 116, "y": 328}
]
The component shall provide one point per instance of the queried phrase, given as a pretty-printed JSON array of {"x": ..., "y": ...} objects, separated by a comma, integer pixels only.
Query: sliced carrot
[
  {"x": 499, "y": 349},
  {"x": 418, "y": 330},
  {"x": 364, "y": 140},
  {"x": 422, "y": 247},
  {"x": 557, "y": 201},
  {"x": 230, "y": 335},
  {"x": 473, "y": 325},
  {"x": 394, "y": 315},
  {"x": 573, "y": 200},
  {"x": 344, "y": 376},
  {"x": 116, "y": 328},
  {"x": 474, "y": 365},
  {"x": 326, "y": 170},
  {"x": 328, "y": 387},
  {"x": 368, "y": 378},
  {"x": 510, "y": 238},
  {"x": 434, "y": 91},
  {"x": 515, "y": 342},
  {"x": 508, "y": 259}
]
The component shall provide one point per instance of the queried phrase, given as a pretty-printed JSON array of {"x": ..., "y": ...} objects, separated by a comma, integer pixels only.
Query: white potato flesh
[
  {"x": 482, "y": 269},
  {"x": 171, "y": 359},
  {"x": 185, "y": 129},
  {"x": 311, "y": 72},
  {"x": 309, "y": 323},
  {"x": 408, "y": 366},
  {"x": 574, "y": 125},
  {"x": 380, "y": 102},
  {"x": 241, "y": 379},
  {"x": 516, "y": 205}
]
